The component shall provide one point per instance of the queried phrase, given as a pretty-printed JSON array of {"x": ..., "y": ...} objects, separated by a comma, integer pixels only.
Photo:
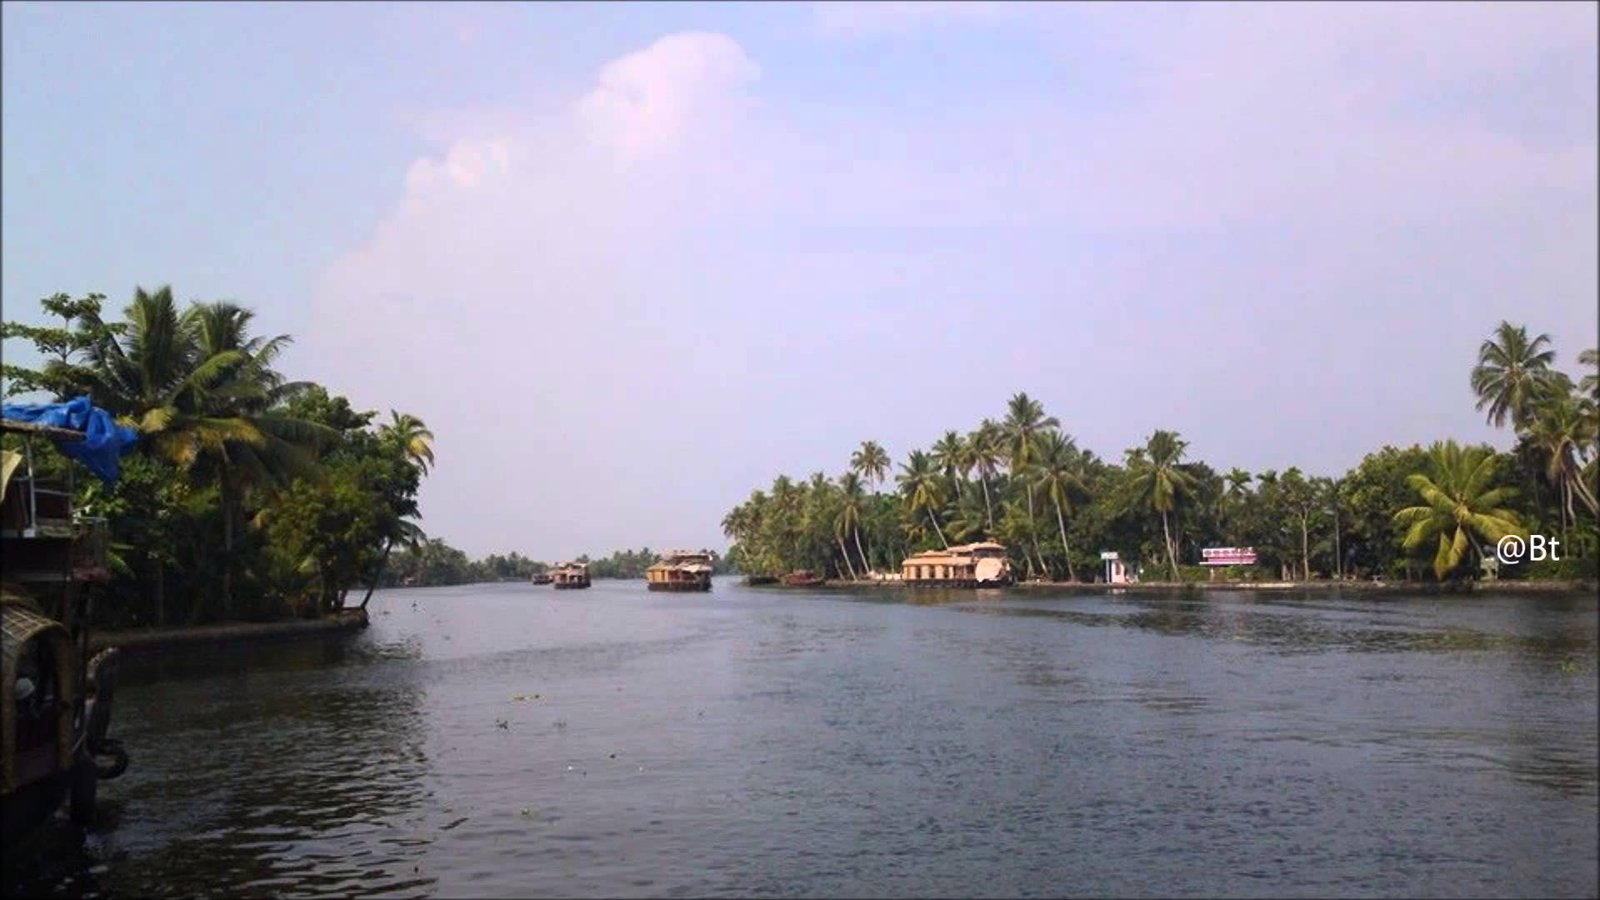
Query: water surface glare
[{"x": 512, "y": 740}]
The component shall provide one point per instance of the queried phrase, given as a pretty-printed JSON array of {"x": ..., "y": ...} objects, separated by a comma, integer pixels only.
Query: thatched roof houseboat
[
  {"x": 570, "y": 576},
  {"x": 983, "y": 564},
  {"x": 680, "y": 570}
]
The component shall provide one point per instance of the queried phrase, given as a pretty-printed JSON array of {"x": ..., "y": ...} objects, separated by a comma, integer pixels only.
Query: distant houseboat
[
  {"x": 680, "y": 570},
  {"x": 542, "y": 578},
  {"x": 802, "y": 578},
  {"x": 570, "y": 576},
  {"x": 967, "y": 565}
]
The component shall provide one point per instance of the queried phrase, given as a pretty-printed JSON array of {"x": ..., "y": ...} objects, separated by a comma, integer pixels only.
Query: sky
[{"x": 631, "y": 262}]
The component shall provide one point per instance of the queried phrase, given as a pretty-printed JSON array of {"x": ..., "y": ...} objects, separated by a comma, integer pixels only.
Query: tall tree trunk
[
  {"x": 988, "y": 508},
  {"x": 1575, "y": 479},
  {"x": 1172, "y": 556},
  {"x": 866, "y": 567},
  {"x": 1338, "y": 551},
  {"x": 1305, "y": 548},
  {"x": 936, "y": 529},
  {"x": 1062, "y": 524},
  {"x": 378, "y": 575},
  {"x": 839, "y": 539}
]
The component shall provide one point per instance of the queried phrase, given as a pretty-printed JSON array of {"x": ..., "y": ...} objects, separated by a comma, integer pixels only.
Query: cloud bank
[{"x": 1284, "y": 239}]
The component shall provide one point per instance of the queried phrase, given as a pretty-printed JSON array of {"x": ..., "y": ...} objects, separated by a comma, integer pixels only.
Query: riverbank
[
  {"x": 145, "y": 640},
  {"x": 1400, "y": 587}
]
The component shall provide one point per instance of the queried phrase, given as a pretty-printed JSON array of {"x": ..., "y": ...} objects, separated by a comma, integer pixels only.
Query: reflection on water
[{"x": 507, "y": 740}]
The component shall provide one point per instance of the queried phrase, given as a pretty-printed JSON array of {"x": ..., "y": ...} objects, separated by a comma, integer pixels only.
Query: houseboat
[
  {"x": 680, "y": 570},
  {"x": 55, "y": 700},
  {"x": 570, "y": 576},
  {"x": 542, "y": 578},
  {"x": 982, "y": 564}
]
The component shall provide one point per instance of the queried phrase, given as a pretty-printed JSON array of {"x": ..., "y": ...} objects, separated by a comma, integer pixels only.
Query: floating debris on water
[{"x": 453, "y": 824}]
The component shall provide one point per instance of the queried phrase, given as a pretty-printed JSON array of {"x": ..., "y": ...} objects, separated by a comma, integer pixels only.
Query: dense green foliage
[
  {"x": 1400, "y": 513},
  {"x": 248, "y": 496}
]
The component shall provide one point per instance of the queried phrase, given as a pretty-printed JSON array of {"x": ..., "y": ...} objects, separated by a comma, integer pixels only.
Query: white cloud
[
  {"x": 579, "y": 300},
  {"x": 645, "y": 102}
]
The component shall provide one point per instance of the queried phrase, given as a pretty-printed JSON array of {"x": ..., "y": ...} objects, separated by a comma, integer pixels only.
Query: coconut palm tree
[
  {"x": 919, "y": 484},
  {"x": 1460, "y": 505},
  {"x": 412, "y": 436},
  {"x": 947, "y": 456},
  {"x": 871, "y": 463},
  {"x": 1589, "y": 384},
  {"x": 854, "y": 502},
  {"x": 1056, "y": 473},
  {"x": 204, "y": 396},
  {"x": 984, "y": 448},
  {"x": 1512, "y": 374},
  {"x": 1559, "y": 429},
  {"x": 1158, "y": 480}
]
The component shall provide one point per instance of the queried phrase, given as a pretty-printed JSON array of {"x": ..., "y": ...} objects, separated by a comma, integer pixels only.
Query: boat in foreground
[
  {"x": 55, "y": 701},
  {"x": 680, "y": 570}
]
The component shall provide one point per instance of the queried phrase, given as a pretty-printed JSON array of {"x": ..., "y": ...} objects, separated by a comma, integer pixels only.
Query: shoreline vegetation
[
  {"x": 252, "y": 499},
  {"x": 1410, "y": 516},
  {"x": 1553, "y": 586}
]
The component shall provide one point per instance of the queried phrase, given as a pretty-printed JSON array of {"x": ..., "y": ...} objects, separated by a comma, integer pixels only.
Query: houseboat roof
[{"x": 957, "y": 555}]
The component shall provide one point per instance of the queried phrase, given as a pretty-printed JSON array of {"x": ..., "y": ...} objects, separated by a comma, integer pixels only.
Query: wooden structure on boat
[
  {"x": 802, "y": 578},
  {"x": 55, "y": 701},
  {"x": 542, "y": 578},
  {"x": 570, "y": 576},
  {"x": 680, "y": 570},
  {"x": 983, "y": 564}
]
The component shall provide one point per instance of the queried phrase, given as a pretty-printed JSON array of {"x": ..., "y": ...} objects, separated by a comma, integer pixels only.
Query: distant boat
[
  {"x": 967, "y": 565},
  {"x": 542, "y": 578},
  {"x": 802, "y": 578},
  {"x": 680, "y": 570},
  {"x": 571, "y": 576},
  {"x": 760, "y": 579}
]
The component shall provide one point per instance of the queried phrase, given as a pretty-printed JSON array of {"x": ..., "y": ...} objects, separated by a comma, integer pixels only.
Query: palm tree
[
  {"x": 871, "y": 463},
  {"x": 854, "y": 496},
  {"x": 1589, "y": 384},
  {"x": 412, "y": 436},
  {"x": 947, "y": 455},
  {"x": 1158, "y": 480},
  {"x": 1512, "y": 374},
  {"x": 1459, "y": 505},
  {"x": 919, "y": 484},
  {"x": 966, "y": 520},
  {"x": 1025, "y": 421},
  {"x": 1560, "y": 429},
  {"x": 205, "y": 397},
  {"x": 1057, "y": 474},
  {"x": 984, "y": 448}
]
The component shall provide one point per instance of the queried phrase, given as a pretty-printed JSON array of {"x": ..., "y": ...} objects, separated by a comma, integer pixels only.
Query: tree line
[
  {"x": 437, "y": 563},
  {"x": 1023, "y": 481}
]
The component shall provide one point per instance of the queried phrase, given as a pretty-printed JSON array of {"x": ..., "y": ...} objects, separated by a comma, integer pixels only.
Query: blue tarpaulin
[{"x": 104, "y": 441}]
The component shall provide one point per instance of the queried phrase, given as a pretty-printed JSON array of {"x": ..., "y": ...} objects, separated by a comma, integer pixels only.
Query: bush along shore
[{"x": 1401, "y": 518}]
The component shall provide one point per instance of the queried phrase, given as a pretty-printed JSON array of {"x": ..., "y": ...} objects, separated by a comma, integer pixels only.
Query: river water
[{"x": 512, "y": 740}]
